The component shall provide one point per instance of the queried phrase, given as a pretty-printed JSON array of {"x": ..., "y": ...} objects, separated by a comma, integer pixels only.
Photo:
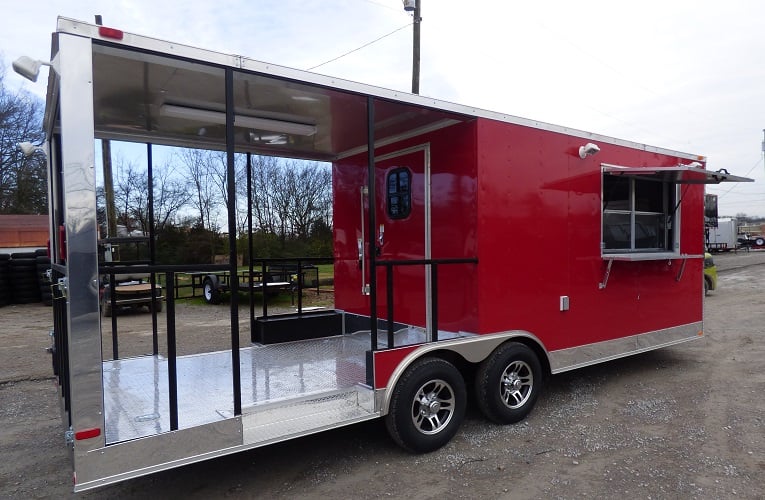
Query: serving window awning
[{"x": 680, "y": 174}]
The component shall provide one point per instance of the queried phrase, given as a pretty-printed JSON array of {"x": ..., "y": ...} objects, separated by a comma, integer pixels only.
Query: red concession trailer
[{"x": 474, "y": 252}]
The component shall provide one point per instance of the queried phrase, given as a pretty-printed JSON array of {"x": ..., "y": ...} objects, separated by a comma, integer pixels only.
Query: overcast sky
[{"x": 683, "y": 75}]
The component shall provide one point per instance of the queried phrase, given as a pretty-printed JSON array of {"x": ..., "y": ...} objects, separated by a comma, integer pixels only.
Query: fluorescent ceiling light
[{"x": 245, "y": 121}]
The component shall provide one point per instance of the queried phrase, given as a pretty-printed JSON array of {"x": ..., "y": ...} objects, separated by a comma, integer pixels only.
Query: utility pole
[{"x": 414, "y": 6}]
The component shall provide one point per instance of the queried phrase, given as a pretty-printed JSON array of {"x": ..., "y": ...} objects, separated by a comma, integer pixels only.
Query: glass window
[
  {"x": 399, "y": 193},
  {"x": 637, "y": 214}
]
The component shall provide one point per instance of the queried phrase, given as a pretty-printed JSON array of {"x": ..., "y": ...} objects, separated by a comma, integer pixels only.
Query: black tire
[
  {"x": 23, "y": 255},
  {"x": 25, "y": 268},
  {"x": 759, "y": 242},
  {"x": 427, "y": 405},
  {"x": 210, "y": 291},
  {"x": 508, "y": 383}
]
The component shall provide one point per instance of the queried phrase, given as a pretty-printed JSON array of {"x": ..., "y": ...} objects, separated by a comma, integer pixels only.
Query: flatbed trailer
[
  {"x": 212, "y": 285},
  {"x": 434, "y": 298}
]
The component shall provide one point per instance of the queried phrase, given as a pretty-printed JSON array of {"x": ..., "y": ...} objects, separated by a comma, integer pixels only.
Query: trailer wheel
[
  {"x": 210, "y": 291},
  {"x": 508, "y": 383},
  {"x": 427, "y": 405},
  {"x": 759, "y": 242}
]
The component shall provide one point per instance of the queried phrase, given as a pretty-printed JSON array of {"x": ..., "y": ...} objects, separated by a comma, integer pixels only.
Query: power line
[
  {"x": 382, "y": 5},
  {"x": 359, "y": 48}
]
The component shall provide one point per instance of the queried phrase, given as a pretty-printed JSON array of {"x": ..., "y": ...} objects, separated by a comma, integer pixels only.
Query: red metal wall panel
[
  {"x": 539, "y": 220},
  {"x": 453, "y": 215}
]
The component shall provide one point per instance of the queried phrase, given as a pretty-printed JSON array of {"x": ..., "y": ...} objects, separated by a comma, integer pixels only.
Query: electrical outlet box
[{"x": 564, "y": 302}]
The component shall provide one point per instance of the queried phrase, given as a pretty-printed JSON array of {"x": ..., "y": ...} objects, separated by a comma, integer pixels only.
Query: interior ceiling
[{"x": 131, "y": 88}]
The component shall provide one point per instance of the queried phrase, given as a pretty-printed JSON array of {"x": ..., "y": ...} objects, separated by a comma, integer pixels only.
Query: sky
[{"x": 676, "y": 74}]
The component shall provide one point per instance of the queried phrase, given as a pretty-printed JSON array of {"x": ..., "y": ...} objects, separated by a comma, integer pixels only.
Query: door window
[{"x": 399, "y": 193}]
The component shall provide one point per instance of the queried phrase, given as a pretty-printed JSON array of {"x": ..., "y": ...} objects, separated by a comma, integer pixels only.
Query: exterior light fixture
[
  {"x": 28, "y": 149},
  {"x": 409, "y": 5},
  {"x": 29, "y": 68},
  {"x": 588, "y": 149}
]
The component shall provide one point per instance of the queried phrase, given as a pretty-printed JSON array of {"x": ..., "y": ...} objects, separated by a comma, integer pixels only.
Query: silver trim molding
[{"x": 590, "y": 354}]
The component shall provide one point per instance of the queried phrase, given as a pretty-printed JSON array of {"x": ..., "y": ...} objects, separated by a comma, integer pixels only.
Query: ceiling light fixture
[{"x": 245, "y": 121}]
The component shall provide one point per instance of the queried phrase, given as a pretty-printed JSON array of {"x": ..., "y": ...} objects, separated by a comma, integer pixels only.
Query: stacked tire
[
  {"x": 43, "y": 276},
  {"x": 5, "y": 296},
  {"x": 22, "y": 274}
]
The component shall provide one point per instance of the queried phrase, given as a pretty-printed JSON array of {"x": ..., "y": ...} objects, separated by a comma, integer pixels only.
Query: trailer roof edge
[{"x": 81, "y": 28}]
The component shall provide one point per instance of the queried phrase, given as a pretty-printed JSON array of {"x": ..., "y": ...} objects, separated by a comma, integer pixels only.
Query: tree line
[{"x": 290, "y": 205}]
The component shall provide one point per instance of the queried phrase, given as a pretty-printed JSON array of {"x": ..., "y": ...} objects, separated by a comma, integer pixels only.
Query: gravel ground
[{"x": 682, "y": 422}]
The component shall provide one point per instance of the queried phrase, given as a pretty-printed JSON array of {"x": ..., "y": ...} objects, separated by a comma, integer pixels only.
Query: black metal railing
[
  {"x": 389, "y": 293},
  {"x": 292, "y": 266},
  {"x": 60, "y": 347}
]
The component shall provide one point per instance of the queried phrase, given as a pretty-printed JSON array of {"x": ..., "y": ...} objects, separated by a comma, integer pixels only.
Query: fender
[{"x": 473, "y": 349}]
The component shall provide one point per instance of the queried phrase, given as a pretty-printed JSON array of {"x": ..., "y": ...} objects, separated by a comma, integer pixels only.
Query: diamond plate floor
[{"x": 136, "y": 397}]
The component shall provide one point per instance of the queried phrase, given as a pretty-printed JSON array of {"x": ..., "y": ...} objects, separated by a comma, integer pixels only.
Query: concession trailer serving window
[{"x": 641, "y": 207}]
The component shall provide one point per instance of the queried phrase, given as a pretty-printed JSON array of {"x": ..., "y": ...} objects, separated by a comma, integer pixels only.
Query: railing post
[
  {"x": 434, "y": 300},
  {"x": 113, "y": 305},
  {"x": 263, "y": 281},
  {"x": 300, "y": 286},
  {"x": 172, "y": 369},
  {"x": 389, "y": 298}
]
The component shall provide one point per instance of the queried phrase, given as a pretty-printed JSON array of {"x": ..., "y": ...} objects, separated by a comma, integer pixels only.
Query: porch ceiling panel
[{"x": 143, "y": 96}]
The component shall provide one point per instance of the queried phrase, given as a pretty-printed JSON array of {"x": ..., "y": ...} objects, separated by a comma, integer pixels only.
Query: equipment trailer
[{"x": 433, "y": 297}]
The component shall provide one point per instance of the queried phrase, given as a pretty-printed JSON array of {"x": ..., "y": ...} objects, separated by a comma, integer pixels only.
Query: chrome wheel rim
[
  {"x": 516, "y": 384},
  {"x": 433, "y": 407}
]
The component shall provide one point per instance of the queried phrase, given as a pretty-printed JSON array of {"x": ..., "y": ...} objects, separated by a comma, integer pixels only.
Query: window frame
[
  {"x": 398, "y": 193},
  {"x": 669, "y": 217}
]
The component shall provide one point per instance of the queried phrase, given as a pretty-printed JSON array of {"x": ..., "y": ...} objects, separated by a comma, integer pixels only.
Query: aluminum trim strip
[
  {"x": 139, "y": 457},
  {"x": 79, "y": 186},
  {"x": 577, "y": 357},
  {"x": 638, "y": 256}
]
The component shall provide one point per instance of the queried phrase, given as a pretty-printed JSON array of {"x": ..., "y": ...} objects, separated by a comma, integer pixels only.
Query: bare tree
[
  {"x": 170, "y": 195},
  {"x": 290, "y": 195},
  {"x": 23, "y": 187},
  {"x": 131, "y": 196},
  {"x": 308, "y": 185},
  {"x": 265, "y": 179},
  {"x": 204, "y": 193},
  {"x": 131, "y": 193}
]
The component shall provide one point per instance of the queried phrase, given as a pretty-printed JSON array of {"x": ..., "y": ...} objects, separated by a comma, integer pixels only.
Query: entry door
[{"x": 402, "y": 191}]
